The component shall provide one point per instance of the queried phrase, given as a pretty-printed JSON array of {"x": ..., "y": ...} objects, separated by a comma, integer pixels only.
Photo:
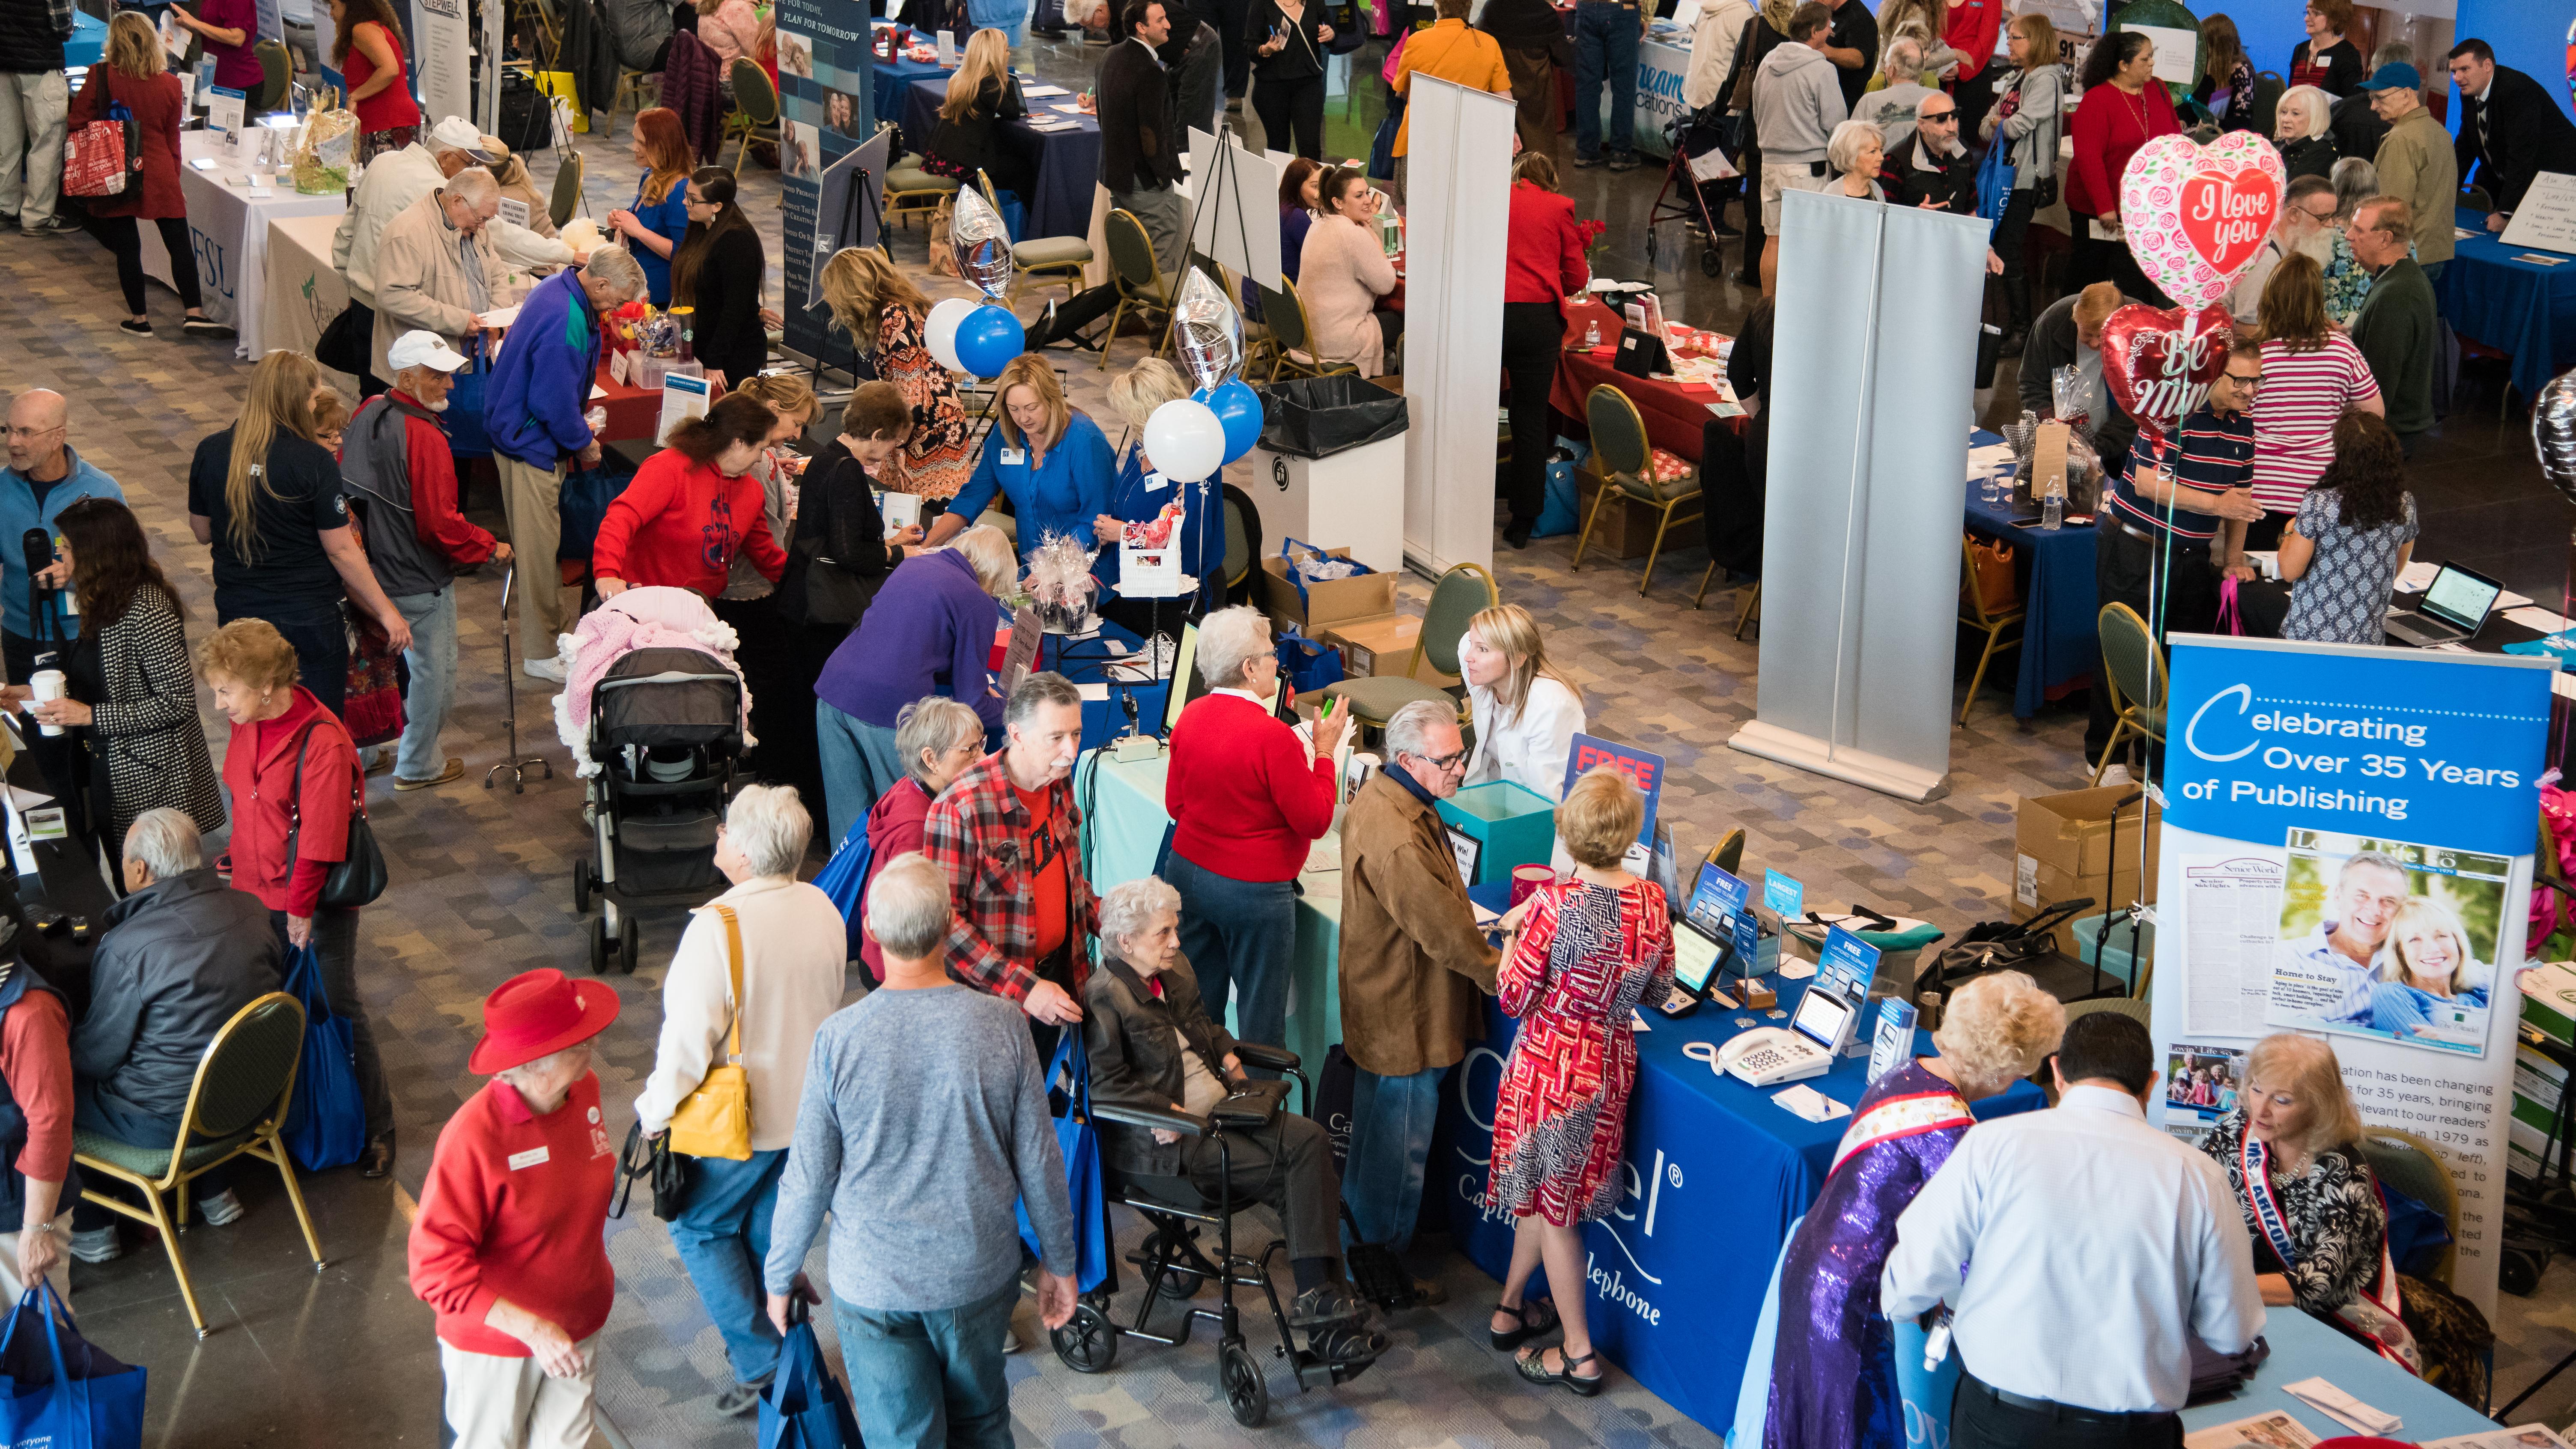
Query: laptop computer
[{"x": 2455, "y": 606}]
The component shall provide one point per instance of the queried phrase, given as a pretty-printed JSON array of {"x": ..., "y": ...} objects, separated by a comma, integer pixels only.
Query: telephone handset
[{"x": 1768, "y": 1056}]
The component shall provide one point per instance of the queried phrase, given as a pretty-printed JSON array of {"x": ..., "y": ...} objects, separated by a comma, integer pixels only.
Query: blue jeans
[
  {"x": 859, "y": 764},
  {"x": 929, "y": 1379},
  {"x": 1391, "y": 1122},
  {"x": 1605, "y": 49},
  {"x": 723, "y": 1237},
  {"x": 1239, "y": 936},
  {"x": 432, "y": 657},
  {"x": 320, "y": 639}
]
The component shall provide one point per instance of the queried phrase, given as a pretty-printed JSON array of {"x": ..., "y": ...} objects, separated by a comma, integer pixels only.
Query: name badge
[
  {"x": 529, "y": 1158},
  {"x": 1014, "y": 457},
  {"x": 1156, "y": 482}
]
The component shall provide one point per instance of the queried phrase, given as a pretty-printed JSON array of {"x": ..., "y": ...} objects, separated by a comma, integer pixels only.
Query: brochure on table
[
  {"x": 2345, "y": 854},
  {"x": 2546, "y": 217}
]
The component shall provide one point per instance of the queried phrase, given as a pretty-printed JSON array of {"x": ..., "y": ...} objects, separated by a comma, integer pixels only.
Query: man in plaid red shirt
[{"x": 1007, "y": 834}]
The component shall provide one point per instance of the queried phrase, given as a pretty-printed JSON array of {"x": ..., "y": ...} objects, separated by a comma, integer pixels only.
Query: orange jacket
[{"x": 1453, "y": 52}]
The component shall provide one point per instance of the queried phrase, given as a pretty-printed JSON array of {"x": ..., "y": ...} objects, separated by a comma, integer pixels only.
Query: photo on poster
[
  {"x": 2202, "y": 1084},
  {"x": 798, "y": 146},
  {"x": 2387, "y": 939},
  {"x": 795, "y": 54},
  {"x": 841, "y": 113}
]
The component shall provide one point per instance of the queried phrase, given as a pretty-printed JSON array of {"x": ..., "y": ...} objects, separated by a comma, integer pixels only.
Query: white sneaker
[
  {"x": 2117, "y": 775},
  {"x": 1011, "y": 1340},
  {"x": 548, "y": 669}
]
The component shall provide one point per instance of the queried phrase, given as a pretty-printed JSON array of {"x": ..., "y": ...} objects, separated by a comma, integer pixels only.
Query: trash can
[{"x": 1330, "y": 468}]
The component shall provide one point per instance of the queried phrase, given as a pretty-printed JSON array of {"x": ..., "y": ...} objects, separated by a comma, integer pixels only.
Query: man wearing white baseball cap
[
  {"x": 395, "y": 461},
  {"x": 392, "y": 184}
]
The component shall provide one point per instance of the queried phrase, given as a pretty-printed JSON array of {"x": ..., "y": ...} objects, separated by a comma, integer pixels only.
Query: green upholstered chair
[
  {"x": 1625, "y": 459},
  {"x": 2135, "y": 666},
  {"x": 755, "y": 110},
  {"x": 909, "y": 189},
  {"x": 2404, "y": 1162},
  {"x": 566, "y": 198},
  {"x": 1292, "y": 335},
  {"x": 1143, "y": 287},
  {"x": 1465, "y": 591}
]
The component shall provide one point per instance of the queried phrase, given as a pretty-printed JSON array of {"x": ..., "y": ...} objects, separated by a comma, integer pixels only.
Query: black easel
[{"x": 850, "y": 218}]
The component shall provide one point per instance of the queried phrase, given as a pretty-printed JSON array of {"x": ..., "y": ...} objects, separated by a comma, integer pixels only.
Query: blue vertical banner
[
  {"x": 824, "y": 110},
  {"x": 2346, "y": 855}
]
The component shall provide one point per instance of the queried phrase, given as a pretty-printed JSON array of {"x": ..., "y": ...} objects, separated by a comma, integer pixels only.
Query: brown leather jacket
[
  {"x": 1136, "y": 1062},
  {"x": 1414, "y": 967}
]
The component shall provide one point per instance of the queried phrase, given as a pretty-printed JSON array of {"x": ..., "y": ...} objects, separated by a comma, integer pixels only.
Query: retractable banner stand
[
  {"x": 1457, "y": 224},
  {"x": 442, "y": 65},
  {"x": 1871, "y": 379},
  {"x": 2346, "y": 853},
  {"x": 825, "y": 112}
]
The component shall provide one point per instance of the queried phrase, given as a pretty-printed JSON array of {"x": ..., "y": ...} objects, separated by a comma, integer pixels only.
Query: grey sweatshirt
[
  {"x": 1797, "y": 102},
  {"x": 924, "y": 1120}
]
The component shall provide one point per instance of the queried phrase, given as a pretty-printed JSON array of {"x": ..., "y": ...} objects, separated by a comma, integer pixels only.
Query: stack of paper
[
  {"x": 2343, "y": 1408},
  {"x": 1809, "y": 1103}
]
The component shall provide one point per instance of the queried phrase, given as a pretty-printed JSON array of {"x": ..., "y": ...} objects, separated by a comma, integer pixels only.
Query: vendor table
[
  {"x": 632, "y": 411},
  {"x": 229, "y": 229},
  {"x": 88, "y": 42},
  {"x": 1674, "y": 412},
  {"x": 2303, "y": 1348},
  {"x": 2061, "y": 642},
  {"x": 1067, "y": 161},
  {"x": 304, "y": 292},
  {"x": 2521, "y": 308},
  {"x": 893, "y": 85}
]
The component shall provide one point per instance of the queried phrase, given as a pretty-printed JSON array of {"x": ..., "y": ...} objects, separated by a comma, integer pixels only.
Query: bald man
[{"x": 45, "y": 476}]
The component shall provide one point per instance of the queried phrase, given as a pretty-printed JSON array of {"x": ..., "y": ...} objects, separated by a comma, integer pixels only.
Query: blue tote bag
[
  {"x": 60, "y": 1391},
  {"x": 845, "y": 876},
  {"x": 326, "y": 1123},
  {"x": 804, "y": 1407},
  {"x": 1080, "y": 1144},
  {"x": 466, "y": 435}
]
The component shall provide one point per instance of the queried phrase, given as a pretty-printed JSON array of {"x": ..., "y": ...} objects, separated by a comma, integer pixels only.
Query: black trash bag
[{"x": 1316, "y": 417}]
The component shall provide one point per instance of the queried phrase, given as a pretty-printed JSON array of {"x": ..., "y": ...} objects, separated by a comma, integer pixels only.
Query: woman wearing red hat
[{"x": 508, "y": 1244}]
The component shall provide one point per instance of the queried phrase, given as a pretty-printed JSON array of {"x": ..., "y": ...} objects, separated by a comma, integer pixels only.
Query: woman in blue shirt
[
  {"x": 1141, "y": 493},
  {"x": 657, "y": 221},
  {"x": 1050, "y": 461}
]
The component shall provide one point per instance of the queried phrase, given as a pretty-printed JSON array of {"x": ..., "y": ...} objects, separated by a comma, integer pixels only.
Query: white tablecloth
[
  {"x": 229, "y": 229},
  {"x": 303, "y": 292}
]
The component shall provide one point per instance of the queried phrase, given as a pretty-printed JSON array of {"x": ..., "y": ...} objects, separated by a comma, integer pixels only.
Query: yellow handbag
[{"x": 715, "y": 1120}]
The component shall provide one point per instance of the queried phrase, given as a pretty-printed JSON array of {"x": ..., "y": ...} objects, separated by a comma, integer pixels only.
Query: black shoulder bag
[{"x": 358, "y": 877}]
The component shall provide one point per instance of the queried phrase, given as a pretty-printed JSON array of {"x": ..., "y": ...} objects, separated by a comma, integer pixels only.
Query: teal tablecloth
[
  {"x": 2303, "y": 1348},
  {"x": 88, "y": 42}
]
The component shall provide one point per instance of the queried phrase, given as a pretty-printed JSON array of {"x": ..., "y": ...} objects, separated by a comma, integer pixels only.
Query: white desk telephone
[{"x": 1769, "y": 1056}]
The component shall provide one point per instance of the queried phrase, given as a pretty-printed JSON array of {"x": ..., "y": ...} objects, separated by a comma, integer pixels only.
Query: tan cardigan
[
  {"x": 420, "y": 279},
  {"x": 1341, "y": 273},
  {"x": 1414, "y": 968}
]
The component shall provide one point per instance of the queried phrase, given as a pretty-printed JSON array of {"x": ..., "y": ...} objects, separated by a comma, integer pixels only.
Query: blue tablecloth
[
  {"x": 894, "y": 85},
  {"x": 2060, "y": 641},
  {"x": 2303, "y": 1348},
  {"x": 1086, "y": 662},
  {"x": 2520, "y": 308},
  {"x": 1067, "y": 162},
  {"x": 88, "y": 42}
]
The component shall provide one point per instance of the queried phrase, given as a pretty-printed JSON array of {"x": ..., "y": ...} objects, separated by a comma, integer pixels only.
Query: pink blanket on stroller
[{"x": 645, "y": 618}]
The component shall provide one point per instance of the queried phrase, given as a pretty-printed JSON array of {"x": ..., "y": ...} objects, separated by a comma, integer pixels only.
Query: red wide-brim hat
[{"x": 538, "y": 1013}]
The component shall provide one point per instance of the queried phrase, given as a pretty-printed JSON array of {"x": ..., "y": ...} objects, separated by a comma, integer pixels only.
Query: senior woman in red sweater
[
  {"x": 508, "y": 1244},
  {"x": 692, "y": 507},
  {"x": 1246, "y": 798},
  {"x": 1543, "y": 263}
]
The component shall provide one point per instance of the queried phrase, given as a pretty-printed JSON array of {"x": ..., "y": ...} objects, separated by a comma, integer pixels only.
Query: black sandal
[
  {"x": 1531, "y": 1370},
  {"x": 1541, "y": 1309}
]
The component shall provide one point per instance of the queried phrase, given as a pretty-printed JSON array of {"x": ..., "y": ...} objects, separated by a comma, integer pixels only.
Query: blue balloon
[
  {"x": 988, "y": 339},
  {"x": 1239, "y": 408}
]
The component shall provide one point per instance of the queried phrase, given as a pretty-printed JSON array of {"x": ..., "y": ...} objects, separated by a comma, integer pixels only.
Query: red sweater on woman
[
  {"x": 513, "y": 1208},
  {"x": 259, "y": 773},
  {"x": 680, "y": 523},
  {"x": 1544, "y": 261},
  {"x": 1244, "y": 798},
  {"x": 2110, "y": 126}
]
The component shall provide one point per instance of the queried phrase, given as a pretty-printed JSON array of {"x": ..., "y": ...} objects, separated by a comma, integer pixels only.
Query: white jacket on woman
[
  {"x": 793, "y": 947},
  {"x": 1531, "y": 750}
]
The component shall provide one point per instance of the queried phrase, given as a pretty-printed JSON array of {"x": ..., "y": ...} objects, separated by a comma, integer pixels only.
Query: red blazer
[
  {"x": 262, "y": 781},
  {"x": 155, "y": 104},
  {"x": 680, "y": 523},
  {"x": 1545, "y": 259},
  {"x": 2107, "y": 134}
]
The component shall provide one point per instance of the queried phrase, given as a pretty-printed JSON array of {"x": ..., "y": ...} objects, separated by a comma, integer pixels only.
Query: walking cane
[{"x": 516, "y": 766}]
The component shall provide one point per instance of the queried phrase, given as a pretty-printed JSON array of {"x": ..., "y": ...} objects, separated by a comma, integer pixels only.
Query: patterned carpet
[{"x": 481, "y": 891}]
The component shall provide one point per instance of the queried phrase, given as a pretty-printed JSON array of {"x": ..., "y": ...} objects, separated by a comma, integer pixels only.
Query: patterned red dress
[
  {"x": 935, "y": 461},
  {"x": 1587, "y": 955}
]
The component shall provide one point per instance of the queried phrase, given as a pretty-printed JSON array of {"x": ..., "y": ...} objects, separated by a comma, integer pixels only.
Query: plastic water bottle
[
  {"x": 2052, "y": 511},
  {"x": 1591, "y": 335}
]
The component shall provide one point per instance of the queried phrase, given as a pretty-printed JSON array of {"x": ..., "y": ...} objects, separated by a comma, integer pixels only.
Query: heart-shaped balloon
[
  {"x": 981, "y": 243},
  {"x": 2197, "y": 216},
  {"x": 2157, "y": 373}
]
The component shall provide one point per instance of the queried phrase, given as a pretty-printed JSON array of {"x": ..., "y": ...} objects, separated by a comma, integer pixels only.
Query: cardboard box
[
  {"x": 1375, "y": 648},
  {"x": 1627, "y": 527},
  {"x": 2549, "y": 1001},
  {"x": 1323, "y": 605},
  {"x": 2063, "y": 849}
]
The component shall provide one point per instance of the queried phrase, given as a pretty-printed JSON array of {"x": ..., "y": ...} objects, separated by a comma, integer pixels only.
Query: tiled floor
[{"x": 482, "y": 891}]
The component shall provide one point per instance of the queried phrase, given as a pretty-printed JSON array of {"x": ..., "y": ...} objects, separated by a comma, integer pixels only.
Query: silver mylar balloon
[
  {"x": 982, "y": 243},
  {"x": 2553, "y": 433},
  {"x": 1208, "y": 331}
]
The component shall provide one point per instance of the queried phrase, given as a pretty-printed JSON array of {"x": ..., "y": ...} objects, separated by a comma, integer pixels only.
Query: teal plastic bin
[
  {"x": 2115, "y": 951},
  {"x": 1516, "y": 824}
]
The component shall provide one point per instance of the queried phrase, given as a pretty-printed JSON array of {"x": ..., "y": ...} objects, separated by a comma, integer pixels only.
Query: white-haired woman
[
  {"x": 1154, "y": 1044},
  {"x": 2292, "y": 1151},
  {"x": 509, "y": 1243},
  {"x": 758, "y": 969},
  {"x": 1855, "y": 151},
  {"x": 929, "y": 630},
  {"x": 1833, "y": 1368},
  {"x": 938, "y": 740},
  {"x": 2427, "y": 970},
  {"x": 2302, "y": 131},
  {"x": 1527, "y": 711},
  {"x": 1140, "y": 494},
  {"x": 1246, "y": 798}
]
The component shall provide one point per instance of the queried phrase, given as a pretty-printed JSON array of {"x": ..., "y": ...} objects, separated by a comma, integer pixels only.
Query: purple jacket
[
  {"x": 693, "y": 84},
  {"x": 928, "y": 631}
]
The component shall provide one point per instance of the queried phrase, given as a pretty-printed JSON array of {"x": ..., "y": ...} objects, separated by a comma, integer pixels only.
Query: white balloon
[
  {"x": 1185, "y": 440},
  {"x": 941, "y": 330}
]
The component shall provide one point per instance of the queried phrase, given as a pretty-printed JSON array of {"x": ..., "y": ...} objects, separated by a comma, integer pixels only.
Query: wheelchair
[{"x": 1175, "y": 1269}]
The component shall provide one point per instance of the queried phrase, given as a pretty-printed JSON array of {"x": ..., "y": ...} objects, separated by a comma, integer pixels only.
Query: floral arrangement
[
  {"x": 625, "y": 329},
  {"x": 1588, "y": 235},
  {"x": 1060, "y": 586}
]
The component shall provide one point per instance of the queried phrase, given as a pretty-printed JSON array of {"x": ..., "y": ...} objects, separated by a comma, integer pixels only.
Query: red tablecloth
[
  {"x": 632, "y": 411},
  {"x": 1674, "y": 413}
]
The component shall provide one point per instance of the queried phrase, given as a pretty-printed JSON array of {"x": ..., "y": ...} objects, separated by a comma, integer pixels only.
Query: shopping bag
[
  {"x": 845, "y": 877},
  {"x": 804, "y": 1406},
  {"x": 1993, "y": 579},
  {"x": 466, "y": 437},
  {"x": 57, "y": 1389},
  {"x": 326, "y": 1123},
  {"x": 1080, "y": 1144},
  {"x": 1559, "y": 515},
  {"x": 559, "y": 83},
  {"x": 104, "y": 157},
  {"x": 581, "y": 504},
  {"x": 2231, "y": 615},
  {"x": 1307, "y": 665}
]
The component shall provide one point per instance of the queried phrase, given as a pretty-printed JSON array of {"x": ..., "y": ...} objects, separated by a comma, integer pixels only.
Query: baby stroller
[{"x": 665, "y": 732}]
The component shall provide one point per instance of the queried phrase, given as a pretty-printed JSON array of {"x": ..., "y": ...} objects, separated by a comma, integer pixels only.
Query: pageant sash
[
  {"x": 2374, "y": 1314},
  {"x": 1897, "y": 1117}
]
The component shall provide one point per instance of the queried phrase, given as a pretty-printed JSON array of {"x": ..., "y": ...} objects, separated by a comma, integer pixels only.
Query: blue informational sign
[
  {"x": 826, "y": 108},
  {"x": 2270, "y": 736},
  {"x": 1644, "y": 769},
  {"x": 1717, "y": 906},
  {"x": 1782, "y": 896},
  {"x": 1847, "y": 964},
  {"x": 1894, "y": 1044}
]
